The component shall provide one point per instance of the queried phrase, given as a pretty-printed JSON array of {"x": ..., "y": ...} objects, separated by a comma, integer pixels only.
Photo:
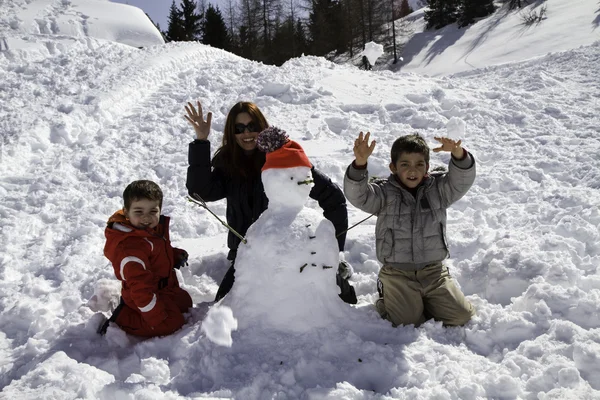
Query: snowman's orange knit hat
[{"x": 281, "y": 151}]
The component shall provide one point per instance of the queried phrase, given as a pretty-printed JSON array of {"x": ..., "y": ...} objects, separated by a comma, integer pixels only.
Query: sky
[
  {"x": 85, "y": 112},
  {"x": 158, "y": 10}
]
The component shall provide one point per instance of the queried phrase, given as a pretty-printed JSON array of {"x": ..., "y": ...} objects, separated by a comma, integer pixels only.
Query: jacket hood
[{"x": 118, "y": 216}]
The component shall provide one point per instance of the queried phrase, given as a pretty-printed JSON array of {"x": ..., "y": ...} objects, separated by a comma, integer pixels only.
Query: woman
[{"x": 235, "y": 174}]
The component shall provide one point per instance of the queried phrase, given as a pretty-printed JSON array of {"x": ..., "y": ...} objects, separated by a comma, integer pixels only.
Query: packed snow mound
[{"x": 98, "y": 19}]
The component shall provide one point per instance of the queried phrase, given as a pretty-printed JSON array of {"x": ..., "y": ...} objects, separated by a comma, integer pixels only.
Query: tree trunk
[
  {"x": 394, "y": 33},
  {"x": 362, "y": 23}
]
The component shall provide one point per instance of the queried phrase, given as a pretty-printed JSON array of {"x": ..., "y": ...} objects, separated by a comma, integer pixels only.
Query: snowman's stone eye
[{"x": 291, "y": 177}]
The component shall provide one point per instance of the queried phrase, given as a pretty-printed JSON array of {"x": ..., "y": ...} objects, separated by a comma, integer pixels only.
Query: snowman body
[{"x": 285, "y": 273}]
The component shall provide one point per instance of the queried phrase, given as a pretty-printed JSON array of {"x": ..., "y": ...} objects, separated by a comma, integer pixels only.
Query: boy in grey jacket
[{"x": 410, "y": 233}]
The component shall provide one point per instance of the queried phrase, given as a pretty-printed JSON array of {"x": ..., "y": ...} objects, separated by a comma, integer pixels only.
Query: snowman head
[{"x": 286, "y": 174}]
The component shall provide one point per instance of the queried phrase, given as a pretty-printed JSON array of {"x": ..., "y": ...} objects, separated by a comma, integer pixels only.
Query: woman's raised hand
[
  {"x": 362, "y": 149},
  {"x": 195, "y": 118}
]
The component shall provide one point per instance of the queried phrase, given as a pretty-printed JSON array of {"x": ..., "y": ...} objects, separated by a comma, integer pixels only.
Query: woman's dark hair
[
  {"x": 410, "y": 144},
  {"x": 230, "y": 155},
  {"x": 139, "y": 190}
]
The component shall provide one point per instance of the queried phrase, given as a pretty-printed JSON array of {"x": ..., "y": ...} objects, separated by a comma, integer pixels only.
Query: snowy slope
[
  {"x": 500, "y": 38},
  {"x": 24, "y": 23},
  {"x": 81, "y": 121}
]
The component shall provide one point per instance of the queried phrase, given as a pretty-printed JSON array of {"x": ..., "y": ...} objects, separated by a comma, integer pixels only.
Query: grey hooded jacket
[{"x": 411, "y": 230}]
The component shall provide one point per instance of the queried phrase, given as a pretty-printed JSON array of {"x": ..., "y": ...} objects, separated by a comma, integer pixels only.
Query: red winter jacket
[{"x": 142, "y": 259}]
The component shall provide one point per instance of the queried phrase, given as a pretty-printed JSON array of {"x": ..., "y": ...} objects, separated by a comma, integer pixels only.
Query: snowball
[
  {"x": 106, "y": 295},
  {"x": 373, "y": 51},
  {"x": 218, "y": 325},
  {"x": 456, "y": 128}
]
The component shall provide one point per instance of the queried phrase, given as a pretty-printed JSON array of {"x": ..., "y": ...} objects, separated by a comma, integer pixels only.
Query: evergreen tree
[
  {"x": 192, "y": 21},
  {"x": 283, "y": 43},
  {"x": 470, "y": 10},
  {"x": 441, "y": 13},
  {"x": 247, "y": 40},
  {"x": 215, "y": 30},
  {"x": 325, "y": 18},
  {"x": 175, "y": 29},
  {"x": 405, "y": 9}
]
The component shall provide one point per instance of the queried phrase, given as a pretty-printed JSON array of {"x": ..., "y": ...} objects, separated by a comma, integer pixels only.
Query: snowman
[{"x": 285, "y": 274}]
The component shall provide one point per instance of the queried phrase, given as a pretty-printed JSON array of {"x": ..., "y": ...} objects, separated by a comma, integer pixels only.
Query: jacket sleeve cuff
[
  {"x": 356, "y": 166},
  {"x": 199, "y": 152},
  {"x": 357, "y": 174},
  {"x": 465, "y": 162}
]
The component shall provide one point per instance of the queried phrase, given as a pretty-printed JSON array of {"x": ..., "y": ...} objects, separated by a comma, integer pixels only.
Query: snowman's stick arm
[
  {"x": 358, "y": 223},
  {"x": 198, "y": 200}
]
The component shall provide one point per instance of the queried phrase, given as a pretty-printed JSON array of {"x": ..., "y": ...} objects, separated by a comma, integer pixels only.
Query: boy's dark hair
[
  {"x": 143, "y": 189},
  {"x": 410, "y": 144}
]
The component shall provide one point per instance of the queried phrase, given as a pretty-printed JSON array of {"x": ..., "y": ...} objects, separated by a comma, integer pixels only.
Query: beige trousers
[{"x": 410, "y": 296}]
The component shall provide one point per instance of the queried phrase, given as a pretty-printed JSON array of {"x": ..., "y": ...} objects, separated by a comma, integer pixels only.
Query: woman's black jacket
[{"x": 246, "y": 199}]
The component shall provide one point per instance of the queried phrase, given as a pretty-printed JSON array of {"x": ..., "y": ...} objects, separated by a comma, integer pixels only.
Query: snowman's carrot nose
[{"x": 306, "y": 182}]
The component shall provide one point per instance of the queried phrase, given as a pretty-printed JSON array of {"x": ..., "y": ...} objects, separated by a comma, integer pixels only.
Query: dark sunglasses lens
[{"x": 241, "y": 128}]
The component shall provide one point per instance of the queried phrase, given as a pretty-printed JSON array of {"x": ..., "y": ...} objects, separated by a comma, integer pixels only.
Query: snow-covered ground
[
  {"x": 43, "y": 23},
  {"x": 81, "y": 117},
  {"x": 500, "y": 38}
]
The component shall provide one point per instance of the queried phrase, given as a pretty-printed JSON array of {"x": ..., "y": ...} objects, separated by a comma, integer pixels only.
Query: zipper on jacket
[{"x": 413, "y": 218}]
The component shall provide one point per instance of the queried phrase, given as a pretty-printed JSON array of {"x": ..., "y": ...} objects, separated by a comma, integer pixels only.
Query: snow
[
  {"x": 57, "y": 22},
  {"x": 501, "y": 37},
  {"x": 82, "y": 116},
  {"x": 373, "y": 51},
  {"x": 218, "y": 325},
  {"x": 455, "y": 128}
]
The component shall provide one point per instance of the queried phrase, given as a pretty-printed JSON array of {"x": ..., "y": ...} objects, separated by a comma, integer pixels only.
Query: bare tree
[
  {"x": 392, "y": 9},
  {"x": 512, "y": 4},
  {"x": 202, "y": 6},
  {"x": 248, "y": 28},
  {"x": 292, "y": 12},
  {"x": 361, "y": 9},
  {"x": 230, "y": 16}
]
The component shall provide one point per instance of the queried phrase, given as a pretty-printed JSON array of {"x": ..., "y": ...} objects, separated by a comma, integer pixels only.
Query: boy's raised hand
[
  {"x": 195, "y": 118},
  {"x": 450, "y": 145},
  {"x": 362, "y": 149}
]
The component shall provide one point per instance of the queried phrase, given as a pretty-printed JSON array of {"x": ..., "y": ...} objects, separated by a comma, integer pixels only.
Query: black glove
[
  {"x": 348, "y": 294},
  {"x": 181, "y": 258},
  {"x": 345, "y": 270}
]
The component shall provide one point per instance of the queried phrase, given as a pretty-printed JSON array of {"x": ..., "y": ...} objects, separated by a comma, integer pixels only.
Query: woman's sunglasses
[{"x": 241, "y": 128}]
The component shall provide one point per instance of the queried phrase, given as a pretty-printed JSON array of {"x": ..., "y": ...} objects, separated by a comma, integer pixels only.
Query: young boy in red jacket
[{"x": 138, "y": 246}]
